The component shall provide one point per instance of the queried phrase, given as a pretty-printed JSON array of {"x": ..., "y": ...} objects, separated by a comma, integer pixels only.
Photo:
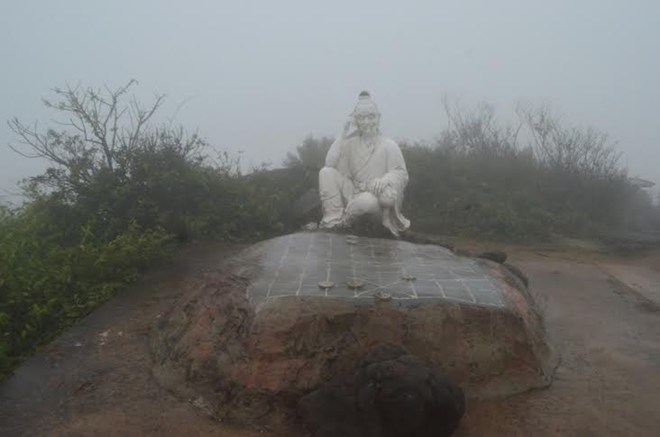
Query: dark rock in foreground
[{"x": 391, "y": 394}]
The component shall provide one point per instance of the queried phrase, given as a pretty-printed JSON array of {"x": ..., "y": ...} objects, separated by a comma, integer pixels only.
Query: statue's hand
[
  {"x": 377, "y": 186},
  {"x": 347, "y": 125}
]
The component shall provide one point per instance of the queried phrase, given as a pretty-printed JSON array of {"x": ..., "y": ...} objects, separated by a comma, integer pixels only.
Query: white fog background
[{"x": 258, "y": 76}]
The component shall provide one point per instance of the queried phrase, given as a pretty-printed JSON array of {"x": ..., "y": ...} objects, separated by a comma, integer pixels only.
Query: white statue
[{"x": 364, "y": 173}]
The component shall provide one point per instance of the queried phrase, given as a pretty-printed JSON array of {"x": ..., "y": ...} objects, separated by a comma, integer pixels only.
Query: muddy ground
[{"x": 95, "y": 379}]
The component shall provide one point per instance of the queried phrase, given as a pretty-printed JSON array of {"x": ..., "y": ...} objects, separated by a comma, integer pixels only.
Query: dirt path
[
  {"x": 608, "y": 381},
  {"x": 96, "y": 379}
]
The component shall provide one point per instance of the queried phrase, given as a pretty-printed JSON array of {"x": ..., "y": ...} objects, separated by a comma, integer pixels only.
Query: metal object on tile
[
  {"x": 326, "y": 284},
  {"x": 352, "y": 239},
  {"x": 294, "y": 264},
  {"x": 354, "y": 284},
  {"x": 383, "y": 295}
]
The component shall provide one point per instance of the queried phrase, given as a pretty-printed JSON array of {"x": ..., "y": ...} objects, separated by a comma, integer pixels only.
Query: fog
[{"x": 257, "y": 77}]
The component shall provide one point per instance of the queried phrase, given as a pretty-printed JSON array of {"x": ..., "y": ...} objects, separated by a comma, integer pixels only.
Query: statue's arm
[
  {"x": 332, "y": 158},
  {"x": 397, "y": 173},
  {"x": 335, "y": 152}
]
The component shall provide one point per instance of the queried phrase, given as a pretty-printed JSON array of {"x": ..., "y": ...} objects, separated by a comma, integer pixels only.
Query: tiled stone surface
[{"x": 295, "y": 265}]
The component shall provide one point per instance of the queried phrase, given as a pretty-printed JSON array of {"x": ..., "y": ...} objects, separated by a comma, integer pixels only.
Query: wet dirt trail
[
  {"x": 95, "y": 379},
  {"x": 608, "y": 379}
]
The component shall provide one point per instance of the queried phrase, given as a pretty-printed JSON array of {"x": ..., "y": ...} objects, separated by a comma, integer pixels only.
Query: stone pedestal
[{"x": 295, "y": 311}]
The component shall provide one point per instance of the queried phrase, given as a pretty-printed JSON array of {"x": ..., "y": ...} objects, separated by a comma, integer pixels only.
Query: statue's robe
[{"x": 345, "y": 183}]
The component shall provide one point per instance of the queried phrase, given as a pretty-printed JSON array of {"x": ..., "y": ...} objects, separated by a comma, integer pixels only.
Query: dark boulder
[{"x": 391, "y": 394}]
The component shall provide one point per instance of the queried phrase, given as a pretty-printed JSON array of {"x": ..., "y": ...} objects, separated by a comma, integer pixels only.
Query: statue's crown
[{"x": 365, "y": 104}]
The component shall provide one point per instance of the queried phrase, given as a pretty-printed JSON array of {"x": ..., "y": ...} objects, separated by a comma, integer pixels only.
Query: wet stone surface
[{"x": 351, "y": 267}]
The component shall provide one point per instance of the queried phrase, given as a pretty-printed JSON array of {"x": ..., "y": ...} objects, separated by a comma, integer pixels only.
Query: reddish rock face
[{"x": 261, "y": 333}]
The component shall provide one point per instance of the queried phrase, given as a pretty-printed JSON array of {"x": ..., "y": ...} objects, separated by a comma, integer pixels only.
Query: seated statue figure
[{"x": 364, "y": 173}]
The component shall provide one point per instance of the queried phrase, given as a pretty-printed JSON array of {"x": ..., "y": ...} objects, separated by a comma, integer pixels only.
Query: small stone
[{"x": 326, "y": 284}]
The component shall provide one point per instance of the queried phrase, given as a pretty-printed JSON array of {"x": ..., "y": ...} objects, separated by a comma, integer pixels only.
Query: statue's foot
[
  {"x": 311, "y": 226},
  {"x": 328, "y": 225},
  {"x": 387, "y": 223}
]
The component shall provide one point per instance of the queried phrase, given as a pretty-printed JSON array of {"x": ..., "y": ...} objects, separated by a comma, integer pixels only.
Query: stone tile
[{"x": 295, "y": 264}]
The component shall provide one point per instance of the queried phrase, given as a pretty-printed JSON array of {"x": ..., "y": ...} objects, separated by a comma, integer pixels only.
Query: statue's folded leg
[{"x": 335, "y": 191}]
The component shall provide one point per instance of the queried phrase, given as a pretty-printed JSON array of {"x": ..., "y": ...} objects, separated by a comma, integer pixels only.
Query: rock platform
[{"x": 290, "y": 313}]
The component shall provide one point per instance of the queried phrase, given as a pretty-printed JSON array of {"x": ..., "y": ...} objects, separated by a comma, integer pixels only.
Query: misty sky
[{"x": 259, "y": 76}]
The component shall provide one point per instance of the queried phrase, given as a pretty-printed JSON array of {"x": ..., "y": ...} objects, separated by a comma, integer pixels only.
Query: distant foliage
[
  {"x": 522, "y": 181},
  {"x": 583, "y": 151},
  {"x": 310, "y": 155}
]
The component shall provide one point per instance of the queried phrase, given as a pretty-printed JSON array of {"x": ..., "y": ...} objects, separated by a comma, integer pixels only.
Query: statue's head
[{"x": 366, "y": 115}]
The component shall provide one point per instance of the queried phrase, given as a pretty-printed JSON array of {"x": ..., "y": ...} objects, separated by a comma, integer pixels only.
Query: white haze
[{"x": 258, "y": 76}]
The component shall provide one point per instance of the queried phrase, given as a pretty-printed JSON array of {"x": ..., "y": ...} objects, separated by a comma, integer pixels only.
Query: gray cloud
[{"x": 259, "y": 76}]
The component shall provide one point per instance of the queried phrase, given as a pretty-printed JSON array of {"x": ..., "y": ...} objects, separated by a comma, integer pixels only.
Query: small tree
[
  {"x": 477, "y": 131},
  {"x": 584, "y": 151},
  {"x": 101, "y": 130},
  {"x": 110, "y": 167}
]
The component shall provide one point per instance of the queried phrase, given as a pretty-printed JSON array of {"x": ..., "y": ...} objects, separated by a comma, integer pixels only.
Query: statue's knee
[
  {"x": 387, "y": 198},
  {"x": 327, "y": 178},
  {"x": 364, "y": 203},
  {"x": 386, "y": 202},
  {"x": 327, "y": 172}
]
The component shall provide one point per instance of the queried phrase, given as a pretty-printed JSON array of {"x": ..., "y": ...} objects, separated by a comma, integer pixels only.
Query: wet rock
[
  {"x": 495, "y": 255},
  {"x": 517, "y": 272},
  {"x": 390, "y": 394},
  {"x": 421, "y": 238},
  {"x": 255, "y": 336}
]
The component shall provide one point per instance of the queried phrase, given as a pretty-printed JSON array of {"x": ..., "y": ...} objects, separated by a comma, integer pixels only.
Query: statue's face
[{"x": 367, "y": 122}]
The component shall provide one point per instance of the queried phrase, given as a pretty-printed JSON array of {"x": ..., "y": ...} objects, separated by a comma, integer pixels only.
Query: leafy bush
[
  {"x": 119, "y": 195},
  {"x": 46, "y": 285},
  {"x": 310, "y": 155}
]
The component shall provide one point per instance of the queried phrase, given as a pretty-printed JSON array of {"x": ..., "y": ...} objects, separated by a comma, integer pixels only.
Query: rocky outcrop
[
  {"x": 246, "y": 357},
  {"x": 497, "y": 256}
]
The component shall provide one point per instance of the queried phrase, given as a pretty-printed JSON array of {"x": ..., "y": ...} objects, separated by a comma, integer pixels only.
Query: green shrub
[
  {"x": 46, "y": 285},
  {"x": 116, "y": 199}
]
